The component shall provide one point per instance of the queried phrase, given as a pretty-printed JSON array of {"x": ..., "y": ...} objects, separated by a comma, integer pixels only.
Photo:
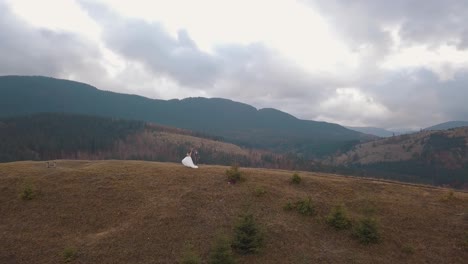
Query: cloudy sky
[{"x": 392, "y": 64}]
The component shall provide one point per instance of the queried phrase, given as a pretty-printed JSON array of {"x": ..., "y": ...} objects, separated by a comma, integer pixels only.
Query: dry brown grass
[
  {"x": 145, "y": 212},
  {"x": 198, "y": 142}
]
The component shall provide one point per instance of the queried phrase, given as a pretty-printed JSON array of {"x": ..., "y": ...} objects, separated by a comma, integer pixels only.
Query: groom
[{"x": 195, "y": 156}]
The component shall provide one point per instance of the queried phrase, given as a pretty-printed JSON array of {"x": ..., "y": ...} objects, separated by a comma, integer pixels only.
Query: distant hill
[
  {"x": 147, "y": 212},
  {"x": 448, "y": 125},
  {"x": 376, "y": 131},
  {"x": 236, "y": 122},
  {"x": 432, "y": 157},
  {"x": 69, "y": 136}
]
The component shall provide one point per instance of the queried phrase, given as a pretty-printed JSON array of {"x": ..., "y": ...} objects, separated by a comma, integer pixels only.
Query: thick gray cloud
[
  {"x": 429, "y": 22},
  {"x": 455, "y": 93},
  {"x": 419, "y": 98},
  {"x": 414, "y": 97},
  {"x": 150, "y": 44},
  {"x": 251, "y": 73},
  {"x": 27, "y": 50},
  {"x": 257, "y": 72},
  {"x": 152, "y": 62}
]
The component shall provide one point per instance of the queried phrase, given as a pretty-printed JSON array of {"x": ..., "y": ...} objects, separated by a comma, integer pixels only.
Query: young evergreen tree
[
  {"x": 248, "y": 236},
  {"x": 367, "y": 231},
  {"x": 338, "y": 218}
]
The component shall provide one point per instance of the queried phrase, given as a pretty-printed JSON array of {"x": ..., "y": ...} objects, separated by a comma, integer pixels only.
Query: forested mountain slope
[{"x": 236, "y": 122}]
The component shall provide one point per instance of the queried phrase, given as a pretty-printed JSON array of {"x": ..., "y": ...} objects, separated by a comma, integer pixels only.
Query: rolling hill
[
  {"x": 448, "y": 125},
  {"x": 236, "y": 122},
  {"x": 376, "y": 131},
  {"x": 433, "y": 157},
  {"x": 70, "y": 136},
  {"x": 147, "y": 212}
]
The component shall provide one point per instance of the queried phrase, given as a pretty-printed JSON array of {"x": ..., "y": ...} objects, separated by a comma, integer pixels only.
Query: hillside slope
[
  {"x": 436, "y": 157},
  {"x": 448, "y": 125},
  {"x": 70, "y": 136},
  {"x": 236, "y": 122},
  {"x": 376, "y": 131},
  {"x": 146, "y": 212}
]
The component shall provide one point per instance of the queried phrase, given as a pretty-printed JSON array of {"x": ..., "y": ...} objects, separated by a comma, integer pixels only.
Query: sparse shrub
[
  {"x": 233, "y": 174},
  {"x": 248, "y": 237},
  {"x": 27, "y": 193},
  {"x": 189, "y": 256},
  {"x": 408, "y": 249},
  {"x": 259, "y": 191},
  {"x": 296, "y": 179},
  {"x": 288, "y": 206},
  {"x": 367, "y": 231},
  {"x": 305, "y": 207},
  {"x": 338, "y": 218},
  {"x": 69, "y": 254},
  {"x": 451, "y": 194},
  {"x": 448, "y": 196},
  {"x": 221, "y": 252}
]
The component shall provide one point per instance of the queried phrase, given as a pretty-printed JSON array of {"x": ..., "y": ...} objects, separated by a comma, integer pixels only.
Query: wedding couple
[{"x": 187, "y": 161}]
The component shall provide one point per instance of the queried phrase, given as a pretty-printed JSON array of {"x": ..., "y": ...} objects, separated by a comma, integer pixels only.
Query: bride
[{"x": 187, "y": 161}]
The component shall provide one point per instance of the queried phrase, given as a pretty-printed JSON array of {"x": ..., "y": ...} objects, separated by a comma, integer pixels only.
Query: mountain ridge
[
  {"x": 376, "y": 131},
  {"x": 238, "y": 123},
  {"x": 448, "y": 125}
]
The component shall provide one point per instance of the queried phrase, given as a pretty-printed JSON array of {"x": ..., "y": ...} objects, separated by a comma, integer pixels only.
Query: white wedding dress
[{"x": 187, "y": 161}]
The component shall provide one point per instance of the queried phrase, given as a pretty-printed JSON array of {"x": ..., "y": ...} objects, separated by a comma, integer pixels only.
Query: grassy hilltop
[{"x": 146, "y": 212}]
